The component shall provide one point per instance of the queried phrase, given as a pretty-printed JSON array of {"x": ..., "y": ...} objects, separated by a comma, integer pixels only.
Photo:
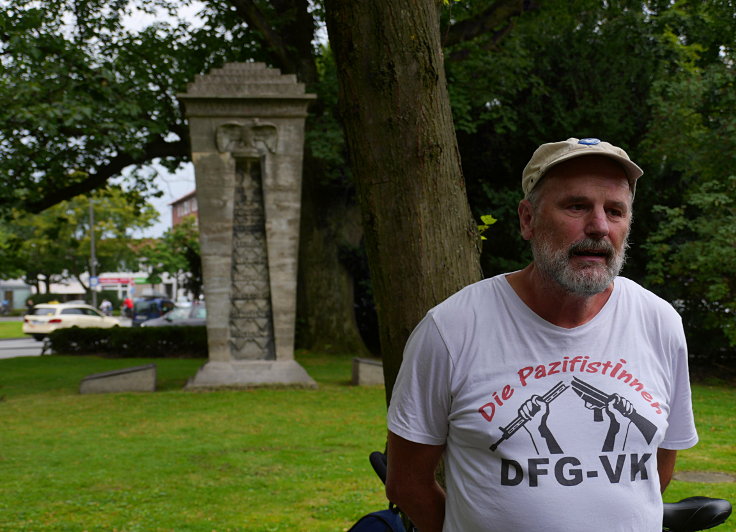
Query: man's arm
[
  {"x": 411, "y": 484},
  {"x": 665, "y": 466}
]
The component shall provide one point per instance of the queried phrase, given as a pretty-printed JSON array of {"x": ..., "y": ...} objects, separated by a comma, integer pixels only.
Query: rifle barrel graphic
[
  {"x": 599, "y": 400},
  {"x": 519, "y": 421}
]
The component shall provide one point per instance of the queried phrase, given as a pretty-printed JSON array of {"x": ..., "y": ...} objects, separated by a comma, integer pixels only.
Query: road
[
  {"x": 27, "y": 346},
  {"x": 20, "y": 347}
]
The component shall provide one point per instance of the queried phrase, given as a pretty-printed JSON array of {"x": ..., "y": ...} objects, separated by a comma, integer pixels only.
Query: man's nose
[{"x": 597, "y": 224}]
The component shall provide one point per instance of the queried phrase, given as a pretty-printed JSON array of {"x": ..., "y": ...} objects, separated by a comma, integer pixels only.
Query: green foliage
[
  {"x": 55, "y": 244},
  {"x": 111, "y": 296},
  {"x": 177, "y": 253},
  {"x": 656, "y": 80},
  {"x": 126, "y": 342},
  {"x": 324, "y": 136},
  {"x": 486, "y": 221},
  {"x": 692, "y": 141},
  {"x": 85, "y": 97},
  {"x": 693, "y": 260},
  {"x": 567, "y": 69}
]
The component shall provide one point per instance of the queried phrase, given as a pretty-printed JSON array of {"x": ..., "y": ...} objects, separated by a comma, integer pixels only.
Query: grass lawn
[
  {"x": 268, "y": 459},
  {"x": 259, "y": 460},
  {"x": 11, "y": 329},
  {"x": 715, "y": 417}
]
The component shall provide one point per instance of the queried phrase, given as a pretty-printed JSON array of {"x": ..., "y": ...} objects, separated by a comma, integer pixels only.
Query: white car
[{"x": 45, "y": 318}]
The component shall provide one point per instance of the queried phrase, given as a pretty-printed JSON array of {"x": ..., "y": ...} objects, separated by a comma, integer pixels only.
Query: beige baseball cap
[{"x": 548, "y": 155}]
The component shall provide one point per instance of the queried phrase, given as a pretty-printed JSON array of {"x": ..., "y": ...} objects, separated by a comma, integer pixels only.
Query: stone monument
[{"x": 246, "y": 125}]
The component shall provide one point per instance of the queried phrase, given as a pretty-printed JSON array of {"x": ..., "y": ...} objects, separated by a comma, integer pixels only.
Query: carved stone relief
[
  {"x": 243, "y": 137},
  {"x": 251, "y": 319}
]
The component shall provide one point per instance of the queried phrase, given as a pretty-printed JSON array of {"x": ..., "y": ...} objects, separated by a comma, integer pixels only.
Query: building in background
[
  {"x": 117, "y": 284},
  {"x": 184, "y": 207},
  {"x": 15, "y": 292}
]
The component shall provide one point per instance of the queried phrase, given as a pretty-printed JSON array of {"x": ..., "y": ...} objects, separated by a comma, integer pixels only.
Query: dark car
[
  {"x": 193, "y": 315},
  {"x": 149, "y": 307}
]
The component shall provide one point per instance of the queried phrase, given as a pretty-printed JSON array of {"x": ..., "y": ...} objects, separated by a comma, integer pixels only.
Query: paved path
[{"x": 20, "y": 347}]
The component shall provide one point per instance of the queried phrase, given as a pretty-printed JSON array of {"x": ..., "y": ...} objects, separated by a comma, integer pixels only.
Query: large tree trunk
[
  {"x": 325, "y": 301},
  {"x": 421, "y": 240}
]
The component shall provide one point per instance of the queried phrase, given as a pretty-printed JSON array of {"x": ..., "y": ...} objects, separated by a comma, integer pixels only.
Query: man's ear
[{"x": 526, "y": 219}]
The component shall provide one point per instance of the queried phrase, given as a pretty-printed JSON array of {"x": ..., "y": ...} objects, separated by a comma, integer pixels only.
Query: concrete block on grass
[
  {"x": 367, "y": 372},
  {"x": 135, "y": 379}
]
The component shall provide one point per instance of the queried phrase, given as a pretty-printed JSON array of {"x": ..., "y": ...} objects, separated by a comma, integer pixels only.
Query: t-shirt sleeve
[
  {"x": 420, "y": 401},
  {"x": 681, "y": 432}
]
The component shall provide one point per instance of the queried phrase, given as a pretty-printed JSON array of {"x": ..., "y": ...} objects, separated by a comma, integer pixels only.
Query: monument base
[{"x": 251, "y": 374}]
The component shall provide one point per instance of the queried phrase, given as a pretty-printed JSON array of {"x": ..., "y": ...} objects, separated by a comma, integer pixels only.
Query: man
[
  {"x": 106, "y": 307},
  {"x": 128, "y": 307},
  {"x": 558, "y": 394}
]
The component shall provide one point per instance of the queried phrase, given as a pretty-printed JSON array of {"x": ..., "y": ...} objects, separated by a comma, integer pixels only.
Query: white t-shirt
[{"x": 614, "y": 390}]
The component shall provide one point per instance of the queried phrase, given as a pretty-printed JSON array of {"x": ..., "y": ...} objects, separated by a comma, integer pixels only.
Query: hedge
[{"x": 132, "y": 342}]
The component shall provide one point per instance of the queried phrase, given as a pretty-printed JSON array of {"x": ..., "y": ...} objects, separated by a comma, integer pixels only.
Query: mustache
[{"x": 589, "y": 246}]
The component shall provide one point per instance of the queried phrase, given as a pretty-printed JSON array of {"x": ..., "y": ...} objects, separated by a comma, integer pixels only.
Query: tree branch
[
  {"x": 495, "y": 20},
  {"x": 154, "y": 150},
  {"x": 255, "y": 18}
]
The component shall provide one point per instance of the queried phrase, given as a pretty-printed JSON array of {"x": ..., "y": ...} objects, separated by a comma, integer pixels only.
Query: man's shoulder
[
  {"x": 633, "y": 291},
  {"x": 480, "y": 293}
]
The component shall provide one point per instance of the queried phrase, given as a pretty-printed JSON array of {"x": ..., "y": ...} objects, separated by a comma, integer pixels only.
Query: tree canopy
[
  {"x": 177, "y": 253},
  {"x": 56, "y": 244},
  {"x": 655, "y": 78},
  {"x": 85, "y": 96}
]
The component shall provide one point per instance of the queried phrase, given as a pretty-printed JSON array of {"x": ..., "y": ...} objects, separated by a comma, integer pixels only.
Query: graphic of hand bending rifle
[
  {"x": 600, "y": 401},
  {"x": 527, "y": 411},
  {"x": 595, "y": 399}
]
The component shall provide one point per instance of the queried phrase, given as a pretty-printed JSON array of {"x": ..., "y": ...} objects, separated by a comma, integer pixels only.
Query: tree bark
[
  {"x": 421, "y": 240},
  {"x": 325, "y": 299}
]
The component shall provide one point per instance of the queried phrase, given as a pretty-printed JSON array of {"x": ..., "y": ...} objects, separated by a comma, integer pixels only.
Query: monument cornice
[{"x": 264, "y": 106}]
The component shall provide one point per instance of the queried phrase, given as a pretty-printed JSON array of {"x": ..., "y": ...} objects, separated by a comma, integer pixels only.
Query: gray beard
[{"x": 586, "y": 281}]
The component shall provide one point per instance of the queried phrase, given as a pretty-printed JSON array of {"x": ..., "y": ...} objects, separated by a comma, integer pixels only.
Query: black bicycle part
[
  {"x": 378, "y": 461},
  {"x": 695, "y": 513}
]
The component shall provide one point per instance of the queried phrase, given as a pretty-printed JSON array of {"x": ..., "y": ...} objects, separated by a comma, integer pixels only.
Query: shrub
[{"x": 132, "y": 342}]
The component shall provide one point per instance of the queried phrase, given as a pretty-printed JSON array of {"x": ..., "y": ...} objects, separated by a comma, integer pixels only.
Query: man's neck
[{"x": 550, "y": 301}]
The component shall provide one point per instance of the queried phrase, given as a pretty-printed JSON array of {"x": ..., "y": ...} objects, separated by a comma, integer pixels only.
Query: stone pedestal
[
  {"x": 367, "y": 372},
  {"x": 246, "y": 124}
]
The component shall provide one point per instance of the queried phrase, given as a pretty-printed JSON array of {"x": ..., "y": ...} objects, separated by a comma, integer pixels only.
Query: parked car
[
  {"x": 149, "y": 307},
  {"x": 43, "y": 319},
  {"x": 189, "y": 315}
]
